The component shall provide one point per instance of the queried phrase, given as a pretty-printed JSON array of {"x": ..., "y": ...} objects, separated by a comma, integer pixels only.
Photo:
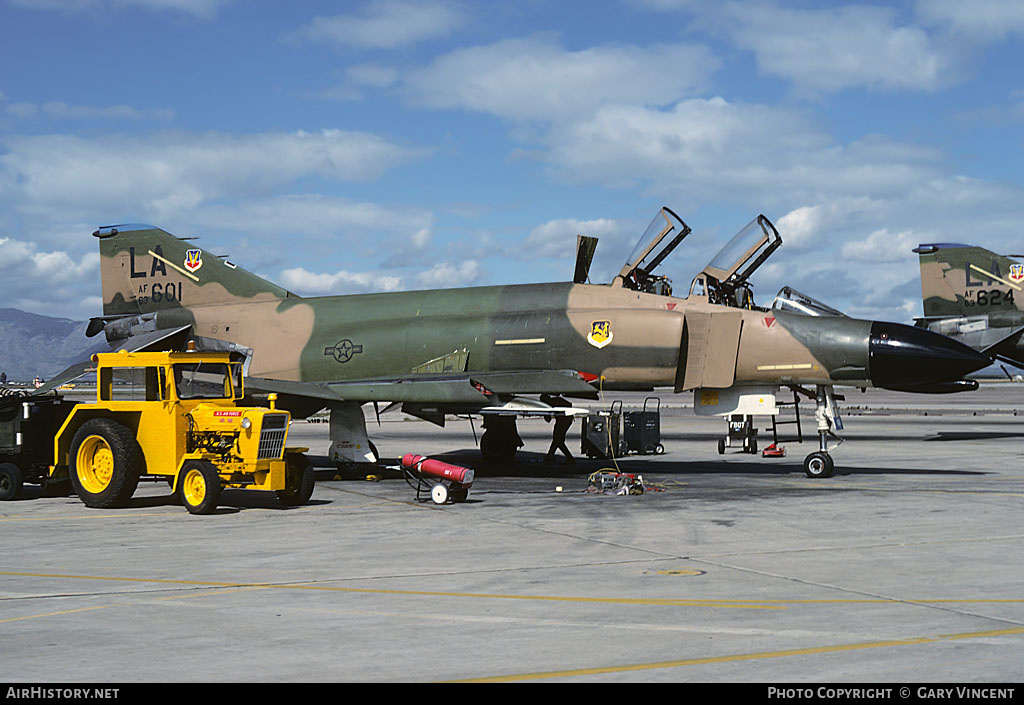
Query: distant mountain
[{"x": 32, "y": 345}]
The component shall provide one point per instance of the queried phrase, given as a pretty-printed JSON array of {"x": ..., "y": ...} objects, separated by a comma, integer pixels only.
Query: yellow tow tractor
[{"x": 176, "y": 417}]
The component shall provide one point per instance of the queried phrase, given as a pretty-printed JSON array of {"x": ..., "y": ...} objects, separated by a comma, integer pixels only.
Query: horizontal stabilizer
[
  {"x": 168, "y": 339},
  {"x": 66, "y": 376},
  {"x": 1006, "y": 344}
]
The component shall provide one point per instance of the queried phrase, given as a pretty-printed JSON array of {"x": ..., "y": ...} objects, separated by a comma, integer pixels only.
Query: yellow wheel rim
[
  {"x": 94, "y": 464},
  {"x": 194, "y": 487}
]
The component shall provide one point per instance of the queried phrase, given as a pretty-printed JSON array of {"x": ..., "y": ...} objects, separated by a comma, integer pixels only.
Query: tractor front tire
[
  {"x": 299, "y": 480},
  {"x": 199, "y": 487}
]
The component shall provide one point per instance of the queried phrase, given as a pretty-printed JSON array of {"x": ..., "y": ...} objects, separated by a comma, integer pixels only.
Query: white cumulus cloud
[
  {"x": 881, "y": 246},
  {"x": 537, "y": 79},
  {"x": 446, "y": 275},
  {"x": 166, "y": 173},
  {"x": 304, "y": 282}
]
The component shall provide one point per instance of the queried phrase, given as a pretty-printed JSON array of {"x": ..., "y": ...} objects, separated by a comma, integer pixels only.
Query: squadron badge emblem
[
  {"x": 193, "y": 260},
  {"x": 600, "y": 333},
  {"x": 1016, "y": 272}
]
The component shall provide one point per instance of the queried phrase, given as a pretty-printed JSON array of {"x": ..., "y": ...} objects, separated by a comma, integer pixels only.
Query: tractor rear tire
[{"x": 105, "y": 463}]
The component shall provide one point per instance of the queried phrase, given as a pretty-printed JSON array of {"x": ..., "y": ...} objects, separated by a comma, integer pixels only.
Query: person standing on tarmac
[{"x": 562, "y": 426}]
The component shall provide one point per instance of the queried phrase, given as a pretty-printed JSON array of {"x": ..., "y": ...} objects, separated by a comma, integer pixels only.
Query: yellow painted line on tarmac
[
  {"x": 122, "y": 515},
  {"x": 103, "y": 607},
  {"x": 676, "y": 602},
  {"x": 212, "y": 593},
  {"x": 732, "y": 604},
  {"x": 811, "y": 651},
  {"x": 54, "y": 614}
]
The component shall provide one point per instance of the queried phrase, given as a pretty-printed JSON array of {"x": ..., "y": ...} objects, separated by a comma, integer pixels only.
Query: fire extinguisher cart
[{"x": 440, "y": 481}]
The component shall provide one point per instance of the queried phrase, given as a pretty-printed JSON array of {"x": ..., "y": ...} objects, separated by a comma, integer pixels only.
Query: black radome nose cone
[{"x": 903, "y": 356}]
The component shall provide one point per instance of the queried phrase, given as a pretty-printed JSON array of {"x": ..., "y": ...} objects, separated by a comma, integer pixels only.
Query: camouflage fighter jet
[
  {"x": 490, "y": 350},
  {"x": 974, "y": 296}
]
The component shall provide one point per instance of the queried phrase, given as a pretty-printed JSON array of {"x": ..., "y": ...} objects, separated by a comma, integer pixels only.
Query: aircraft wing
[{"x": 463, "y": 388}]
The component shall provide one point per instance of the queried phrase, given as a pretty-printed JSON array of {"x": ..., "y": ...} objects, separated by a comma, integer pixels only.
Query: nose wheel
[{"x": 819, "y": 464}]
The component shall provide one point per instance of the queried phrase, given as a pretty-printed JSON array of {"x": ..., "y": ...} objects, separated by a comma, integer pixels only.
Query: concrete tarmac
[{"x": 903, "y": 568}]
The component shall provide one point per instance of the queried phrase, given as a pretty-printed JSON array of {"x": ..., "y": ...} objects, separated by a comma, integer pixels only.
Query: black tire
[
  {"x": 11, "y": 481},
  {"x": 497, "y": 446},
  {"x": 199, "y": 487},
  {"x": 458, "y": 495},
  {"x": 721, "y": 446},
  {"x": 818, "y": 464},
  {"x": 105, "y": 463},
  {"x": 659, "y": 449},
  {"x": 753, "y": 446},
  {"x": 299, "y": 481}
]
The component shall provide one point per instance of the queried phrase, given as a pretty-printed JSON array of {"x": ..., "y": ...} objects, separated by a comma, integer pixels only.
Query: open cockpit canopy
[
  {"x": 731, "y": 268},
  {"x": 662, "y": 236}
]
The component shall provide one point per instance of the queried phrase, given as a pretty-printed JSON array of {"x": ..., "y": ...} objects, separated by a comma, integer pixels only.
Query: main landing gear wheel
[
  {"x": 199, "y": 487},
  {"x": 360, "y": 466},
  {"x": 818, "y": 464},
  {"x": 495, "y": 445}
]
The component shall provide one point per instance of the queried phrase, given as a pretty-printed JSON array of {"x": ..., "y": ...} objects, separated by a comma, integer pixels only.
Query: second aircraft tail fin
[{"x": 964, "y": 280}]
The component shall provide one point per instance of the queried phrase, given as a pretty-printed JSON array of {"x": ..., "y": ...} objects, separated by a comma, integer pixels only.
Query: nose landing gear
[{"x": 826, "y": 414}]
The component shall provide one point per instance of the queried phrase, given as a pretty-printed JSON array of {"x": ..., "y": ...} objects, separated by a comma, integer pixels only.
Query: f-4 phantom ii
[
  {"x": 490, "y": 350},
  {"x": 974, "y": 296}
]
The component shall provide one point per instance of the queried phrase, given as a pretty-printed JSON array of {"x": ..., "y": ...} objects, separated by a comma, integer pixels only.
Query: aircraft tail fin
[
  {"x": 145, "y": 269},
  {"x": 963, "y": 280}
]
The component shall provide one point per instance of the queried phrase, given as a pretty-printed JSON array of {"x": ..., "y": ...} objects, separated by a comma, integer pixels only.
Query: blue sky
[{"x": 343, "y": 147}]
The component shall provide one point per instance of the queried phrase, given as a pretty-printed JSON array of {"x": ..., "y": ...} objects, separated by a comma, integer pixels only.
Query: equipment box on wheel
[
  {"x": 641, "y": 430},
  {"x": 601, "y": 433}
]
